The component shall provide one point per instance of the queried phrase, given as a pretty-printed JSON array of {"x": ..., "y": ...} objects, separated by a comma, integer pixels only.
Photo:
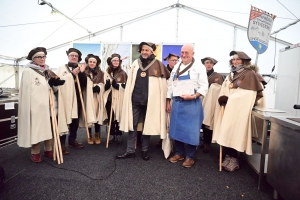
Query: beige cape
[
  {"x": 33, "y": 114},
  {"x": 67, "y": 102},
  {"x": 155, "y": 120},
  {"x": 234, "y": 129}
]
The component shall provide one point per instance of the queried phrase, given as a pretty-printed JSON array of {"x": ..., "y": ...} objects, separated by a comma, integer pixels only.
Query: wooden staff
[
  {"x": 57, "y": 148},
  {"x": 110, "y": 117},
  {"x": 221, "y": 149},
  {"x": 83, "y": 107}
]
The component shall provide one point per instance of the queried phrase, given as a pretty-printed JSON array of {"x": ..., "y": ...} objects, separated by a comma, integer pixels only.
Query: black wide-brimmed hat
[
  {"x": 35, "y": 50},
  {"x": 92, "y": 56},
  {"x": 241, "y": 55},
  {"x": 75, "y": 50},
  {"x": 214, "y": 61},
  {"x": 170, "y": 55},
  {"x": 150, "y": 44}
]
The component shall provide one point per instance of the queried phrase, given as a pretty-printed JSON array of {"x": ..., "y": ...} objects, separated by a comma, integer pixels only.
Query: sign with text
[{"x": 259, "y": 29}]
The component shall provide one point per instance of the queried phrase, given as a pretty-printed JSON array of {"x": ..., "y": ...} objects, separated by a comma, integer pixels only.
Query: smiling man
[{"x": 144, "y": 100}]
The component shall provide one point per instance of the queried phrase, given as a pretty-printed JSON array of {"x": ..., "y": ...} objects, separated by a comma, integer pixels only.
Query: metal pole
[
  {"x": 177, "y": 21},
  {"x": 234, "y": 37},
  {"x": 121, "y": 33},
  {"x": 256, "y": 59},
  {"x": 293, "y": 23},
  {"x": 55, "y": 9},
  {"x": 17, "y": 74}
]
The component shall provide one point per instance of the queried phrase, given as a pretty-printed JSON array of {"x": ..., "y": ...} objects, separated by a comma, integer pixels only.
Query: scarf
[
  {"x": 146, "y": 61},
  {"x": 210, "y": 72}
]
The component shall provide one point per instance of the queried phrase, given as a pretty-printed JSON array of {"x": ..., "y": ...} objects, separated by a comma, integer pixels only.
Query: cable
[
  {"x": 274, "y": 61},
  {"x": 287, "y": 9}
]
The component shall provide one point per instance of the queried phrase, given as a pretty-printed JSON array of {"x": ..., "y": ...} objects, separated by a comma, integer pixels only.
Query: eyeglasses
[
  {"x": 76, "y": 56},
  {"x": 173, "y": 60},
  {"x": 41, "y": 57},
  {"x": 115, "y": 61}
]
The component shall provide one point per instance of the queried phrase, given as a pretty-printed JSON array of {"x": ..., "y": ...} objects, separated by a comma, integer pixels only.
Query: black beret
[
  {"x": 214, "y": 61},
  {"x": 92, "y": 56},
  {"x": 241, "y": 55},
  {"x": 34, "y": 51},
  {"x": 170, "y": 55},
  {"x": 75, "y": 50},
  {"x": 150, "y": 44}
]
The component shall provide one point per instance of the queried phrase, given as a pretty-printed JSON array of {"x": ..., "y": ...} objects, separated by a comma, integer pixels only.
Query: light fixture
[{"x": 56, "y": 11}]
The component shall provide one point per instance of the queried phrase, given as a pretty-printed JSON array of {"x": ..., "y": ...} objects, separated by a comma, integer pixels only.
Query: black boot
[
  {"x": 125, "y": 155},
  {"x": 145, "y": 155}
]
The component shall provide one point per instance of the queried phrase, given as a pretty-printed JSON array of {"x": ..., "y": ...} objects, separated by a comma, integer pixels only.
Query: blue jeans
[{"x": 190, "y": 149}]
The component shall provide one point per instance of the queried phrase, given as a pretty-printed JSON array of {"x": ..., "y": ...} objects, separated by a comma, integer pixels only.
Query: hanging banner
[{"x": 259, "y": 29}]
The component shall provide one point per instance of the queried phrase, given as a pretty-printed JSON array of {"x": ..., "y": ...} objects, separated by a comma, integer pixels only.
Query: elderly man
[
  {"x": 215, "y": 81},
  {"x": 69, "y": 100},
  {"x": 144, "y": 100},
  {"x": 187, "y": 113}
]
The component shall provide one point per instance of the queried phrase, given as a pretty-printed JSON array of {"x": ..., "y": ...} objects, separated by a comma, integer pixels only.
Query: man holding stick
[
  {"x": 70, "y": 107},
  {"x": 144, "y": 100}
]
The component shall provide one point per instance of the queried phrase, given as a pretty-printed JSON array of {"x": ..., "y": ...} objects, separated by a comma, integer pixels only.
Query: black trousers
[
  {"x": 73, "y": 127},
  {"x": 230, "y": 152},
  {"x": 114, "y": 126},
  {"x": 97, "y": 128},
  {"x": 207, "y": 135}
]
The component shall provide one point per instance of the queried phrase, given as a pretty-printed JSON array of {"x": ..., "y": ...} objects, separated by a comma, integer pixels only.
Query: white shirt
[{"x": 197, "y": 75}]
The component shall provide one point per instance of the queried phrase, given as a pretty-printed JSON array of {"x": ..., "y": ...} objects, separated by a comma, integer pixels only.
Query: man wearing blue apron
[{"x": 187, "y": 112}]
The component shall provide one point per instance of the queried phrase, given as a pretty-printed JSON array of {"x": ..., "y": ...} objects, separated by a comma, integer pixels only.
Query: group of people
[{"x": 138, "y": 103}]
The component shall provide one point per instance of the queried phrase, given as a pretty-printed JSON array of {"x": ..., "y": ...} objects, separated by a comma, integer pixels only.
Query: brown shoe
[
  {"x": 176, "y": 158},
  {"x": 64, "y": 150},
  {"x": 188, "y": 162},
  {"x": 97, "y": 138},
  {"x": 76, "y": 145},
  {"x": 48, "y": 154},
  {"x": 90, "y": 139},
  {"x": 36, "y": 158}
]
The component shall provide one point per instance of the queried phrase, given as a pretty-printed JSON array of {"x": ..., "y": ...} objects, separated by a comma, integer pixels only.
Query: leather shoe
[
  {"x": 48, "y": 154},
  {"x": 145, "y": 155},
  {"x": 125, "y": 155},
  {"x": 36, "y": 158},
  {"x": 76, "y": 145}
]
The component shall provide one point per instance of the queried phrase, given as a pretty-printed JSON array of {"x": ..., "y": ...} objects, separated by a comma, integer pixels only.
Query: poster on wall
[
  {"x": 170, "y": 48},
  {"x": 123, "y": 49},
  {"x": 88, "y": 48}
]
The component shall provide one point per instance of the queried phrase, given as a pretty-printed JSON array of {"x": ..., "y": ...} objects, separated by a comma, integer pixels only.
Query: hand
[
  {"x": 96, "y": 89},
  {"x": 187, "y": 97},
  {"x": 107, "y": 84},
  {"x": 168, "y": 106},
  {"x": 82, "y": 67},
  {"x": 115, "y": 85},
  {"x": 223, "y": 100},
  {"x": 55, "y": 82},
  {"x": 76, "y": 71},
  {"x": 123, "y": 85}
]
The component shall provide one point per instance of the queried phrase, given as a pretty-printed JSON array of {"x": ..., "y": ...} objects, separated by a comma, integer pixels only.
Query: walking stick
[
  {"x": 57, "y": 147},
  {"x": 221, "y": 149},
  {"x": 83, "y": 107},
  {"x": 110, "y": 117}
]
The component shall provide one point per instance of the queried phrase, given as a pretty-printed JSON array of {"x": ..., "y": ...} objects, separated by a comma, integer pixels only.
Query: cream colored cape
[
  {"x": 209, "y": 105},
  {"x": 117, "y": 96},
  {"x": 155, "y": 121},
  {"x": 33, "y": 113},
  {"x": 234, "y": 128},
  {"x": 94, "y": 105},
  {"x": 67, "y": 101}
]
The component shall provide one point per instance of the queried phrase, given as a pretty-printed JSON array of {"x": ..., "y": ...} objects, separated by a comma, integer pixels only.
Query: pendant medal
[
  {"x": 230, "y": 85},
  {"x": 143, "y": 74}
]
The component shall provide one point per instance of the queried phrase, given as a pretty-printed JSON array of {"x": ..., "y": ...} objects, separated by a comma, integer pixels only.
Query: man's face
[
  {"x": 73, "y": 58},
  {"x": 208, "y": 65},
  {"x": 186, "y": 54},
  {"x": 146, "y": 52}
]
